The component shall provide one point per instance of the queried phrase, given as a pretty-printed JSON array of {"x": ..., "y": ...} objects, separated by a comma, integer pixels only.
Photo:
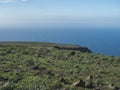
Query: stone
[
  {"x": 89, "y": 78},
  {"x": 90, "y": 85},
  {"x": 79, "y": 83},
  {"x": 35, "y": 67},
  {"x": 111, "y": 86},
  {"x": 64, "y": 81}
]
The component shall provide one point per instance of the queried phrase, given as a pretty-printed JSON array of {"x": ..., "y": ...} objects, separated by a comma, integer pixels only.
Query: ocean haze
[{"x": 44, "y": 12}]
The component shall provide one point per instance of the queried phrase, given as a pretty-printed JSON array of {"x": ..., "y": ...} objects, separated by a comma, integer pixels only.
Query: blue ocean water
[{"x": 99, "y": 40}]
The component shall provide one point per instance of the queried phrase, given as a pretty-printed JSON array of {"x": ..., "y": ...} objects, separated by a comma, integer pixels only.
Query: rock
[
  {"x": 5, "y": 85},
  {"x": 64, "y": 81},
  {"x": 72, "y": 53},
  {"x": 79, "y": 83},
  {"x": 89, "y": 78},
  {"x": 98, "y": 87},
  {"x": 89, "y": 82},
  {"x": 111, "y": 86},
  {"x": 35, "y": 67},
  {"x": 116, "y": 88},
  {"x": 39, "y": 55},
  {"x": 50, "y": 73},
  {"x": 78, "y": 48},
  {"x": 3, "y": 78},
  {"x": 90, "y": 85}
]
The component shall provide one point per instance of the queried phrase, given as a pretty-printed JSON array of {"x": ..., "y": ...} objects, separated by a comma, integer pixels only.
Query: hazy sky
[{"x": 59, "y": 12}]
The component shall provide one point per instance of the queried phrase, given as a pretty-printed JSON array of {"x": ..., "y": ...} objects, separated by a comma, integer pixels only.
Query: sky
[{"x": 26, "y": 13}]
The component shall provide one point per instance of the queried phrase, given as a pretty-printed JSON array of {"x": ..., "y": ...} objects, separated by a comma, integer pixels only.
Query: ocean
[{"x": 99, "y": 40}]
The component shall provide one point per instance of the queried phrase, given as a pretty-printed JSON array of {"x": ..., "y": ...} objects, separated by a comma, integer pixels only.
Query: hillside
[{"x": 49, "y": 66}]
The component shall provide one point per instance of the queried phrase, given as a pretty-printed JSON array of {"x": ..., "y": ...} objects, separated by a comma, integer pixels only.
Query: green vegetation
[{"x": 41, "y": 66}]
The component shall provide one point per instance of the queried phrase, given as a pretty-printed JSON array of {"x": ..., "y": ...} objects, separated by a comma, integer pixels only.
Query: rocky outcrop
[
  {"x": 77, "y": 48},
  {"x": 88, "y": 83}
]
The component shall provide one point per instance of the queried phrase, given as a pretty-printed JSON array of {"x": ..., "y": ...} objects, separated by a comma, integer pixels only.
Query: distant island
[{"x": 51, "y": 66}]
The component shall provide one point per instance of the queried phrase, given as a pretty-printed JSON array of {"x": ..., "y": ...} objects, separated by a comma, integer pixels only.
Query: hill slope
[{"x": 47, "y": 66}]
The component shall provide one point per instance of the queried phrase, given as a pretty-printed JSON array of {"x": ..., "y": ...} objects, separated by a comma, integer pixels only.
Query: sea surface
[{"x": 99, "y": 40}]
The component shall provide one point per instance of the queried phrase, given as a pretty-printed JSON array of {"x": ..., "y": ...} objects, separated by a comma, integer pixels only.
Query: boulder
[
  {"x": 79, "y": 83},
  {"x": 111, "y": 86},
  {"x": 89, "y": 78}
]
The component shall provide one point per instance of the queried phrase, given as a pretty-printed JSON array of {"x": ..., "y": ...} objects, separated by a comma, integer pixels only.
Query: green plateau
[{"x": 50, "y": 66}]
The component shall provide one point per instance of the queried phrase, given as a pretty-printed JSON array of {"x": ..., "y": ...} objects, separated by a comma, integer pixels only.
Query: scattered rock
[
  {"x": 3, "y": 78},
  {"x": 79, "y": 83},
  {"x": 111, "y": 86},
  {"x": 64, "y": 81},
  {"x": 72, "y": 53},
  {"x": 5, "y": 85},
  {"x": 50, "y": 73},
  {"x": 98, "y": 87},
  {"x": 71, "y": 72},
  {"x": 90, "y": 85},
  {"x": 35, "y": 67},
  {"x": 77, "y": 66},
  {"x": 44, "y": 72},
  {"x": 89, "y": 78},
  {"x": 39, "y": 55}
]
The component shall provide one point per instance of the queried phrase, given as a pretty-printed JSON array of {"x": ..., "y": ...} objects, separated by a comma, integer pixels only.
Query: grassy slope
[{"x": 34, "y": 66}]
